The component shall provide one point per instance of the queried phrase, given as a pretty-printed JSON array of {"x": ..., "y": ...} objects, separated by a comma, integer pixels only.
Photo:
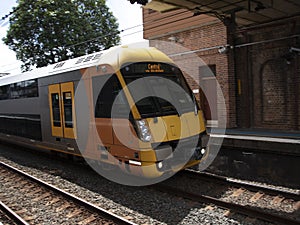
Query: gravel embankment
[{"x": 141, "y": 205}]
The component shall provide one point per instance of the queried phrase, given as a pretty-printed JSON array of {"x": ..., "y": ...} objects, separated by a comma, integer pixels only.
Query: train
[{"x": 127, "y": 107}]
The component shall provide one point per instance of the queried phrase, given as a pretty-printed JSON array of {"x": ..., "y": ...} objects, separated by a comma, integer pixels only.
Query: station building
[{"x": 254, "y": 55}]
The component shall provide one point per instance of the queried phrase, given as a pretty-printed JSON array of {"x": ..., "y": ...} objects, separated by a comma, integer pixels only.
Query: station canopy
[{"x": 247, "y": 12}]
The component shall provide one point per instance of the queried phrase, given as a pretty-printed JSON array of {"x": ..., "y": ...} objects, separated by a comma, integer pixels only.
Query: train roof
[{"x": 115, "y": 56}]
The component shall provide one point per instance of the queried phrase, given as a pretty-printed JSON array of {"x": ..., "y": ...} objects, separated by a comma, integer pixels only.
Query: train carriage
[{"x": 129, "y": 107}]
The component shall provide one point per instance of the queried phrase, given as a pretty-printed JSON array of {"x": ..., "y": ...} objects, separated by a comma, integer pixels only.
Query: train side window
[
  {"x": 22, "y": 89},
  {"x": 31, "y": 88},
  {"x": 56, "y": 110},
  {"x": 19, "y": 89},
  {"x": 146, "y": 106},
  {"x": 67, "y": 101},
  {"x": 107, "y": 97},
  {"x": 13, "y": 93},
  {"x": 4, "y": 92}
]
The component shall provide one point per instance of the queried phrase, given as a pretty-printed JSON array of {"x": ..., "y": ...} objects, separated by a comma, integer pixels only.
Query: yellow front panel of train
[
  {"x": 158, "y": 129},
  {"x": 195, "y": 123},
  {"x": 169, "y": 128},
  {"x": 176, "y": 127}
]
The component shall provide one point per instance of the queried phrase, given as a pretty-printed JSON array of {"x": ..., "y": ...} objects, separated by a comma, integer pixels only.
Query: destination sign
[
  {"x": 154, "y": 68},
  {"x": 149, "y": 67}
]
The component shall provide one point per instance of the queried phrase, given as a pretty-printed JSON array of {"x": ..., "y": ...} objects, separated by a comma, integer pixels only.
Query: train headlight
[
  {"x": 203, "y": 151},
  {"x": 143, "y": 130},
  {"x": 159, "y": 165}
]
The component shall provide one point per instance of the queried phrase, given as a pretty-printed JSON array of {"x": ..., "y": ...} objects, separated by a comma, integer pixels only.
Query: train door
[
  {"x": 62, "y": 110},
  {"x": 208, "y": 95}
]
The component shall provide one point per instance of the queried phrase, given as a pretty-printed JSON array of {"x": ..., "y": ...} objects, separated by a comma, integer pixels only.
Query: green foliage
[{"x": 43, "y": 32}]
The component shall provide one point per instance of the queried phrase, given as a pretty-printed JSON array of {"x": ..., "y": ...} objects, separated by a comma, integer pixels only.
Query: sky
[{"x": 129, "y": 18}]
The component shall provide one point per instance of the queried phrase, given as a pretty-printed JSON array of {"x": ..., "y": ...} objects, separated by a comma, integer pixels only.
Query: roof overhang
[{"x": 246, "y": 12}]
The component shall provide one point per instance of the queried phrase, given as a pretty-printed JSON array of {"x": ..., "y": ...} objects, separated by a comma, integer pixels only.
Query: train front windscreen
[{"x": 158, "y": 89}]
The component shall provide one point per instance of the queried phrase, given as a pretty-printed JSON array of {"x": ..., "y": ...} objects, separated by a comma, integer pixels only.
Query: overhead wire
[
  {"x": 181, "y": 13},
  {"x": 15, "y": 9},
  {"x": 113, "y": 33},
  {"x": 7, "y": 15},
  {"x": 3, "y": 19},
  {"x": 84, "y": 42},
  {"x": 132, "y": 33},
  {"x": 121, "y": 31},
  {"x": 90, "y": 40},
  {"x": 124, "y": 30}
]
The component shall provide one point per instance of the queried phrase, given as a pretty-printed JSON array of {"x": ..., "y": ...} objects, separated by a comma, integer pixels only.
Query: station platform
[
  {"x": 259, "y": 139},
  {"x": 263, "y": 133},
  {"x": 259, "y": 155}
]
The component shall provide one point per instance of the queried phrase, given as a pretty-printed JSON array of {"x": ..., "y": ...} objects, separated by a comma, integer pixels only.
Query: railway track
[
  {"x": 24, "y": 198},
  {"x": 235, "y": 183},
  {"x": 238, "y": 197},
  {"x": 8, "y": 216}
]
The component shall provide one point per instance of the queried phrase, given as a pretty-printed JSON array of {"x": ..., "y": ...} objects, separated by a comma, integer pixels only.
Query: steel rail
[
  {"x": 239, "y": 183},
  {"x": 79, "y": 201},
  {"x": 12, "y": 215},
  {"x": 242, "y": 209}
]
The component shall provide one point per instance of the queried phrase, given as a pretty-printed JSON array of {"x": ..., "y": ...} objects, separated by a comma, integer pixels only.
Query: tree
[{"x": 43, "y": 32}]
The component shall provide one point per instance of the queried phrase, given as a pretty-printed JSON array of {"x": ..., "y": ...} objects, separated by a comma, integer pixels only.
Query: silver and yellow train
[{"x": 129, "y": 107}]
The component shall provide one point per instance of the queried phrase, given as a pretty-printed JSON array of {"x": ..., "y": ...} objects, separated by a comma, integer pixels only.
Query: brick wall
[
  {"x": 205, "y": 40},
  {"x": 260, "y": 89},
  {"x": 270, "y": 76}
]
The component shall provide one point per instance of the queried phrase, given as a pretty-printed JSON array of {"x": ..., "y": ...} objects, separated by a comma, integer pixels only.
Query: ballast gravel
[{"x": 141, "y": 205}]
